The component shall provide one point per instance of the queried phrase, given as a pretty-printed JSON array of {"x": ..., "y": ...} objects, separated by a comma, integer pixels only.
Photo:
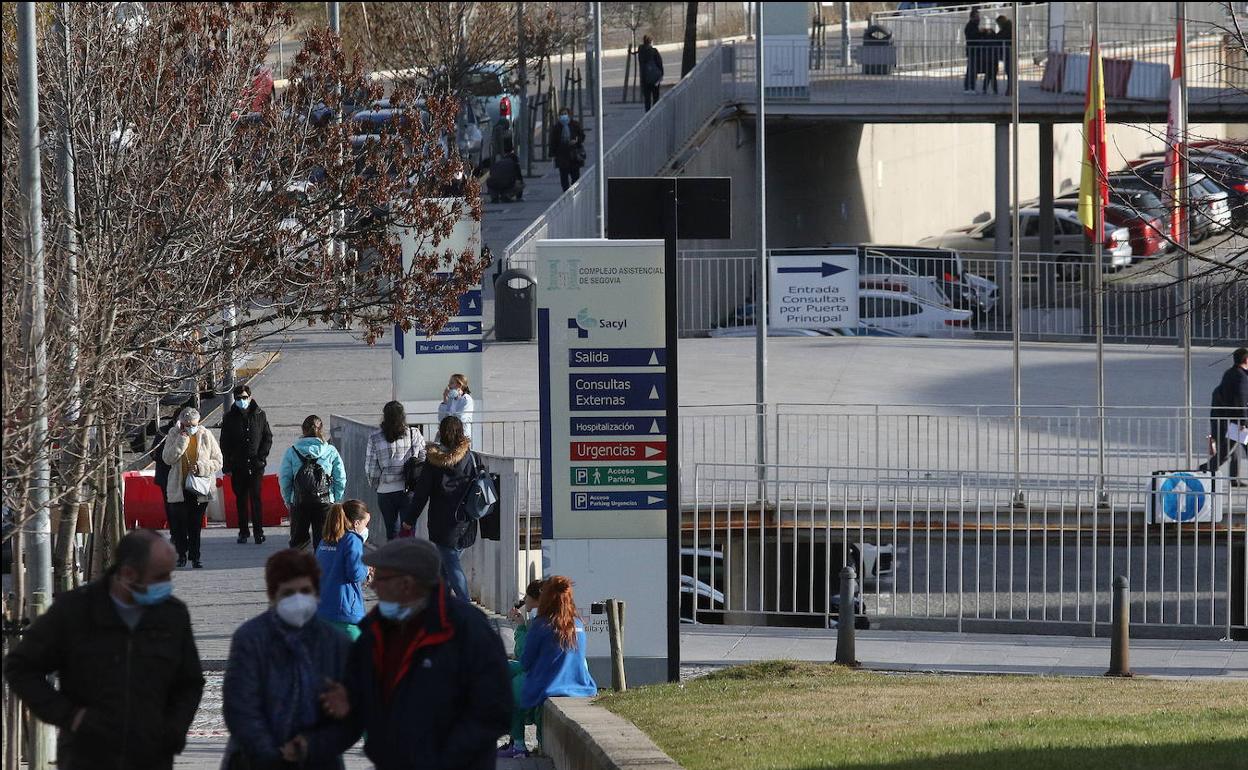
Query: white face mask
[
  {"x": 297, "y": 609},
  {"x": 363, "y": 534},
  {"x": 455, "y": 392}
]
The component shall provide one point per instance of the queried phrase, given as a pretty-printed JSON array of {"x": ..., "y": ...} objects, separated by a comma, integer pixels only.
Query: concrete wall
[{"x": 889, "y": 183}]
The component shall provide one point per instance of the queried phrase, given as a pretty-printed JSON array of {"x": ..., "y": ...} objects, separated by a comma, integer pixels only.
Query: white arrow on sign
[
  {"x": 654, "y": 359},
  {"x": 652, "y": 475},
  {"x": 473, "y": 346},
  {"x": 654, "y": 393},
  {"x": 651, "y": 451},
  {"x": 654, "y": 427},
  {"x": 652, "y": 499}
]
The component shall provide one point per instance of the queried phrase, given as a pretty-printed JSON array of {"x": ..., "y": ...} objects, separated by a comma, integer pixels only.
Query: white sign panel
[
  {"x": 1182, "y": 497},
  {"x": 604, "y": 398},
  {"x": 815, "y": 291},
  {"x": 421, "y": 364}
]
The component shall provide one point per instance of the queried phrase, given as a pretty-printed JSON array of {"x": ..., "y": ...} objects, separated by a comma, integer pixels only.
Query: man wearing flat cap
[{"x": 427, "y": 680}]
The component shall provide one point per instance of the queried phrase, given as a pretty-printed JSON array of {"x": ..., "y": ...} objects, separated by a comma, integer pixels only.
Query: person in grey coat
[{"x": 280, "y": 663}]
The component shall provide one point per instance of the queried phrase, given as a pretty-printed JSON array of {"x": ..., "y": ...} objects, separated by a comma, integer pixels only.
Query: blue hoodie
[
  {"x": 342, "y": 579},
  {"x": 550, "y": 670},
  {"x": 329, "y": 460}
]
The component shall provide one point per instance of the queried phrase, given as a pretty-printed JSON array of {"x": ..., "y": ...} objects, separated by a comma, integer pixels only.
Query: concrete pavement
[{"x": 705, "y": 647}]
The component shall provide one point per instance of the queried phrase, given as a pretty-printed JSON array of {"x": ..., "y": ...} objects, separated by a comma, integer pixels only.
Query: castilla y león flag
[{"x": 1093, "y": 192}]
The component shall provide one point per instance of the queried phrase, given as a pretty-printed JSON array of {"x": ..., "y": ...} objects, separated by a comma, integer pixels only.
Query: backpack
[
  {"x": 311, "y": 483},
  {"x": 480, "y": 497}
]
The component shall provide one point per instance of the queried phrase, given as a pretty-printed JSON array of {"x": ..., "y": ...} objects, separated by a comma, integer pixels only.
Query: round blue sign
[{"x": 1182, "y": 497}]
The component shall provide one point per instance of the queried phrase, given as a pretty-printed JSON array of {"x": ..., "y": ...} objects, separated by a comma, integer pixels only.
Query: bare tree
[{"x": 197, "y": 195}]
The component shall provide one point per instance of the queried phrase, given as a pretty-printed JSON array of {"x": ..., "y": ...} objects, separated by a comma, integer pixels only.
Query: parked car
[
  {"x": 487, "y": 86},
  {"x": 976, "y": 245},
  {"x": 964, "y": 289},
  {"x": 910, "y": 316},
  {"x": 1148, "y": 233},
  {"x": 1209, "y": 211}
]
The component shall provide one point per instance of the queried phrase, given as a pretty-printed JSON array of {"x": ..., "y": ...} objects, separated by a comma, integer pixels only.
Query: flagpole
[
  {"x": 1016, "y": 270},
  {"x": 1098, "y": 267},
  {"x": 1185, "y": 286}
]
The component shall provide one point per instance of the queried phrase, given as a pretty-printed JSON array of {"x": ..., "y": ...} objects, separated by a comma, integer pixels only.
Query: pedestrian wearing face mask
[
  {"x": 567, "y": 147},
  {"x": 280, "y": 663},
  {"x": 341, "y": 557},
  {"x": 457, "y": 402},
  {"x": 245, "y": 443},
  {"x": 128, "y": 676},
  {"x": 194, "y": 460},
  {"x": 427, "y": 680}
]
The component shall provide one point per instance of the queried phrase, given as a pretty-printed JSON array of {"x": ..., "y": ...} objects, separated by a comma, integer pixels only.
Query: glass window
[{"x": 483, "y": 84}]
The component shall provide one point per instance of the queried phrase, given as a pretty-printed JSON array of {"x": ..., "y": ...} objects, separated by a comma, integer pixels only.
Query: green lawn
[{"x": 798, "y": 716}]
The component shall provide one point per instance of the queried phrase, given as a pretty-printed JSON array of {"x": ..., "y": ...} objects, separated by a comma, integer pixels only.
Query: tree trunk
[{"x": 690, "y": 58}]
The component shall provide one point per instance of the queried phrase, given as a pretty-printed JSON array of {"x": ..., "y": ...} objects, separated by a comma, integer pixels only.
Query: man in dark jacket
[
  {"x": 427, "y": 680},
  {"x": 245, "y": 443},
  {"x": 1230, "y": 408},
  {"x": 650, "y": 67},
  {"x": 974, "y": 39},
  {"x": 125, "y": 659}
]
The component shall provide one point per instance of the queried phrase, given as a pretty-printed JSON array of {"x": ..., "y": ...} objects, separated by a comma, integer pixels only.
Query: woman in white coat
[
  {"x": 192, "y": 454},
  {"x": 457, "y": 402}
]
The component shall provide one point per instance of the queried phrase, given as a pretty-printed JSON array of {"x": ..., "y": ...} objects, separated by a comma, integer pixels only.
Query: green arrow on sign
[{"x": 618, "y": 475}]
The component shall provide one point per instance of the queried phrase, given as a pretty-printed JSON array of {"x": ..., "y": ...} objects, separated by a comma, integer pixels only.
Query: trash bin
[
  {"x": 515, "y": 306},
  {"x": 878, "y": 55}
]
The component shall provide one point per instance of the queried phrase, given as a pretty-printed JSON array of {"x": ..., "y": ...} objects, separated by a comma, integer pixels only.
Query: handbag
[
  {"x": 201, "y": 486},
  {"x": 411, "y": 468},
  {"x": 578, "y": 155},
  {"x": 480, "y": 497}
]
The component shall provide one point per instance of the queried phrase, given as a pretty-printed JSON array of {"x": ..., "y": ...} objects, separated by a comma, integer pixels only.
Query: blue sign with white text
[
  {"x": 585, "y": 357},
  {"x": 448, "y": 346},
  {"x": 619, "y": 426},
  {"x": 617, "y": 392}
]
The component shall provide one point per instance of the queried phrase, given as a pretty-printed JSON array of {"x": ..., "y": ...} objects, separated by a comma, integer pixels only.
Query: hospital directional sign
[
  {"x": 619, "y": 501},
  {"x": 470, "y": 303},
  {"x": 814, "y": 291},
  {"x": 619, "y": 475},
  {"x": 448, "y": 346},
  {"x": 457, "y": 328},
  {"x": 617, "y": 391},
  {"x": 617, "y": 450},
  {"x": 619, "y": 426},
  {"x": 580, "y": 357}
]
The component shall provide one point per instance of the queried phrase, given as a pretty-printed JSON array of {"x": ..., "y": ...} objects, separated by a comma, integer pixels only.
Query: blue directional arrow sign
[
  {"x": 470, "y": 303},
  {"x": 453, "y": 328},
  {"x": 617, "y": 392},
  {"x": 823, "y": 270},
  {"x": 448, "y": 346},
  {"x": 619, "y": 426},
  {"x": 398, "y": 340},
  {"x": 619, "y": 501},
  {"x": 604, "y": 357}
]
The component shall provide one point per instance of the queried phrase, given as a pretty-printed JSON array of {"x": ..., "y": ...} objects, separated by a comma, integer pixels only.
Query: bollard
[
  {"x": 845, "y": 654},
  {"x": 615, "y": 634},
  {"x": 1120, "y": 637}
]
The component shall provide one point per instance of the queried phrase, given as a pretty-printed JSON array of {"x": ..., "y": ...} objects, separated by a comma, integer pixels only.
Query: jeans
[
  {"x": 453, "y": 572},
  {"x": 569, "y": 176},
  {"x": 246, "y": 487},
  {"x": 184, "y": 527},
  {"x": 394, "y": 507},
  {"x": 304, "y": 516}
]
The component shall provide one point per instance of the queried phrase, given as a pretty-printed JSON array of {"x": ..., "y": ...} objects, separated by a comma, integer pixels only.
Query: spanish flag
[{"x": 1093, "y": 192}]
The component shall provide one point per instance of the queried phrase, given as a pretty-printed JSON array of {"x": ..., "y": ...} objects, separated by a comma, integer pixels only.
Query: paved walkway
[
  {"x": 226, "y": 592},
  {"x": 713, "y": 646}
]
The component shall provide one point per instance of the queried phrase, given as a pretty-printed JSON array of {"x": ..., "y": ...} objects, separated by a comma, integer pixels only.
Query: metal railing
[
  {"x": 953, "y": 552},
  {"x": 642, "y": 151},
  {"x": 934, "y": 71},
  {"x": 1143, "y": 303}
]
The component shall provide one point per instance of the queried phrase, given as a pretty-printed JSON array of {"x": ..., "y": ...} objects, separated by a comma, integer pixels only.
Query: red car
[{"x": 1148, "y": 234}]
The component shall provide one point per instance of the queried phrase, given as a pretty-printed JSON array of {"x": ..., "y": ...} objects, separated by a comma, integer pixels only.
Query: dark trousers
[
  {"x": 972, "y": 69},
  {"x": 247, "y": 492},
  {"x": 394, "y": 507},
  {"x": 305, "y": 516},
  {"x": 569, "y": 176},
  {"x": 649, "y": 95},
  {"x": 186, "y": 519},
  {"x": 1223, "y": 448},
  {"x": 990, "y": 71}
]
